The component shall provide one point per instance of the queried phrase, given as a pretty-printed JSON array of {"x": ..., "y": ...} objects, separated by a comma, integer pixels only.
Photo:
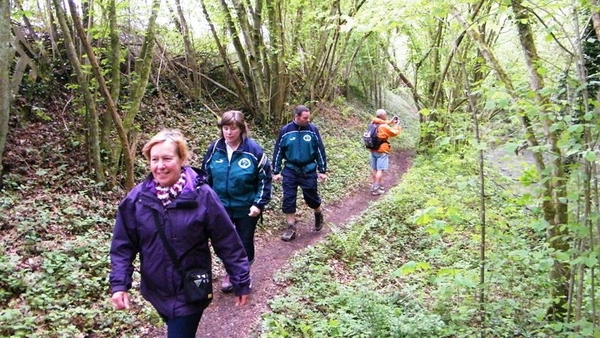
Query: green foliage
[
  {"x": 410, "y": 265},
  {"x": 56, "y": 264},
  {"x": 11, "y": 279}
]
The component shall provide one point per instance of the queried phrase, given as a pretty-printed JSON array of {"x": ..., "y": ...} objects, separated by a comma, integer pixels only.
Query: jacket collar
[{"x": 221, "y": 144}]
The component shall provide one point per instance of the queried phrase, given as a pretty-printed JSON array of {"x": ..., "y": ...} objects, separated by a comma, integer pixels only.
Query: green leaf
[
  {"x": 490, "y": 105},
  {"x": 503, "y": 102},
  {"x": 481, "y": 146},
  {"x": 591, "y": 262},
  {"x": 464, "y": 281},
  {"x": 424, "y": 216},
  {"x": 576, "y": 128},
  {"x": 411, "y": 267},
  {"x": 423, "y": 219},
  {"x": 555, "y": 126},
  {"x": 448, "y": 272},
  {"x": 449, "y": 229},
  {"x": 562, "y": 256},
  {"x": 445, "y": 141},
  {"x": 408, "y": 268},
  {"x": 511, "y": 147},
  {"x": 590, "y": 156}
]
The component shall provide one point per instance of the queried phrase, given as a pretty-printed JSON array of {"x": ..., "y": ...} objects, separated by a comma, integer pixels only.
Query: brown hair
[
  {"x": 165, "y": 135},
  {"x": 300, "y": 109},
  {"x": 233, "y": 117}
]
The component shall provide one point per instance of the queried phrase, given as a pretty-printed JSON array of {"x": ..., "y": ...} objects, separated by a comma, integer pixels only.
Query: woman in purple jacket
[{"x": 191, "y": 214}]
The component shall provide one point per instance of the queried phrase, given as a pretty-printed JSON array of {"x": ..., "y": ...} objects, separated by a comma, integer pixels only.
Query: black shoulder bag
[{"x": 197, "y": 283}]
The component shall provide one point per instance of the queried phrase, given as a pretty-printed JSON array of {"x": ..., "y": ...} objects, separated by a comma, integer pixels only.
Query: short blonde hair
[
  {"x": 236, "y": 118},
  {"x": 165, "y": 135}
]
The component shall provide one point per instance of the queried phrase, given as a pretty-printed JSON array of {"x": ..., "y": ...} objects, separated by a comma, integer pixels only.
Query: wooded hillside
[{"x": 82, "y": 84}]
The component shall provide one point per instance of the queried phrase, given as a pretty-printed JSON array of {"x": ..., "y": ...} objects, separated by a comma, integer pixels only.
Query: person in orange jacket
[{"x": 380, "y": 156}]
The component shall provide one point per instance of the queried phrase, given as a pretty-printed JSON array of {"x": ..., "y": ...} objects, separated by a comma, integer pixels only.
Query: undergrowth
[{"x": 409, "y": 266}]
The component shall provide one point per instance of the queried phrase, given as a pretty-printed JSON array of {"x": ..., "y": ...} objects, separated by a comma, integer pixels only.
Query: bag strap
[{"x": 163, "y": 237}]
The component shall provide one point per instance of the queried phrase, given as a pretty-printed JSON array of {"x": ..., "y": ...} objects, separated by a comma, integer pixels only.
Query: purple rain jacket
[{"x": 194, "y": 217}]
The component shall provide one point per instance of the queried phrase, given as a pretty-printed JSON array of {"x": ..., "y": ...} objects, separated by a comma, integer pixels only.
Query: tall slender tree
[
  {"x": 554, "y": 207},
  {"x": 143, "y": 67},
  {"x": 5, "y": 92},
  {"x": 114, "y": 63},
  {"x": 92, "y": 119},
  {"x": 193, "y": 70}
]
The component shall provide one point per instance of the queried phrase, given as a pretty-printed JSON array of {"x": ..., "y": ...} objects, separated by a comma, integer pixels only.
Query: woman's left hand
[
  {"x": 241, "y": 300},
  {"x": 254, "y": 211}
]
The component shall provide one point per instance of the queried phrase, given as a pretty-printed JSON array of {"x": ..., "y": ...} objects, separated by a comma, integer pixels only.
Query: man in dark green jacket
[{"x": 299, "y": 150}]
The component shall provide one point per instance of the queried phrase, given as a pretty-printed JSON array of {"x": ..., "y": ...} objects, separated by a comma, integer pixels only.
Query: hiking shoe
[
  {"x": 289, "y": 234},
  {"x": 378, "y": 187},
  {"x": 378, "y": 191},
  {"x": 318, "y": 221},
  {"x": 226, "y": 286}
]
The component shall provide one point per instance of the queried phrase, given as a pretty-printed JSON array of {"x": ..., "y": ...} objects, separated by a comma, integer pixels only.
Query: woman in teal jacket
[{"x": 240, "y": 173}]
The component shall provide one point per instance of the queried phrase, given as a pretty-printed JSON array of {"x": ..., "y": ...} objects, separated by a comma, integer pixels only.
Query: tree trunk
[
  {"x": 313, "y": 72},
  {"x": 93, "y": 140},
  {"x": 229, "y": 70},
  {"x": 596, "y": 18},
  {"x": 114, "y": 62},
  {"x": 142, "y": 69},
  {"x": 190, "y": 55},
  {"x": 278, "y": 75},
  {"x": 6, "y": 55},
  {"x": 556, "y": 212},
  {"x": 110, "y": 105},
  {"x": 246, "y": 55},
  {"x": 53, "y": 34}
]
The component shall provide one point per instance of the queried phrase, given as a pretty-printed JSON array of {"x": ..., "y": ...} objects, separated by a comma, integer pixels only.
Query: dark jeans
[
  {"x": 308, "y": 184},
  {"x": 183, "y": 327},
  {"x": 246, "y": 226}
]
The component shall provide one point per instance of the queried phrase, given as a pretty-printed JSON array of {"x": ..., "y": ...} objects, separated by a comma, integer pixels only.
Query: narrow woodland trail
[{"x": 223, "y": 320}]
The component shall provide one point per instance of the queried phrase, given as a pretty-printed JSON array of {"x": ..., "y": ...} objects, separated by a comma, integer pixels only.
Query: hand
[
  {"x": 277, "y": 177},
  {"x": 241, "y": 300},
  {"x": 321, "y": 177},
  {"x": 120, "y": 300},
  {"x": 254, "y": 211}
]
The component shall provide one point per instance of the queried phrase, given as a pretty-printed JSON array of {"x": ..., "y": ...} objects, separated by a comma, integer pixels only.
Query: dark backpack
[{"x": 370, "y": 138}]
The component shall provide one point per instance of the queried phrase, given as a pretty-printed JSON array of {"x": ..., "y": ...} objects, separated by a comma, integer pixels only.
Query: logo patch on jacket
[
  {"x": 244, "y": 163},
  {"x": 307, "y": 138}
]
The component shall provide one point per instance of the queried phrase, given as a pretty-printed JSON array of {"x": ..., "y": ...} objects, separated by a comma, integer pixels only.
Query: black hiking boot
[
  {"x": 289, "y": 234},
  {"x": 226, "y": 286},
  {"x": 318, "y": 221}
]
